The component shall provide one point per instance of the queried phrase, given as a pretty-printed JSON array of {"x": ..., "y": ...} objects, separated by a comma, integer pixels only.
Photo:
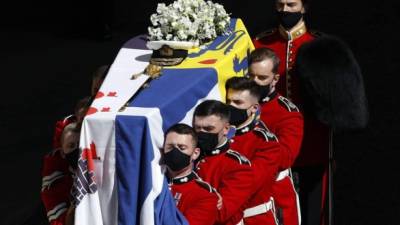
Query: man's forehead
[
  {"x": 175, "y": 138},
  {"x": 234, "y": 94},
  {"x": 210, "y": 119},
  {"x": 241, "y": 95},
  {"x": 265, "y": 65}
]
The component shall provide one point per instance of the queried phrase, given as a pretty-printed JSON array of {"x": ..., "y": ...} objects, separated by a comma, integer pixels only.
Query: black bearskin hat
[{"x": 332, "y": 83}]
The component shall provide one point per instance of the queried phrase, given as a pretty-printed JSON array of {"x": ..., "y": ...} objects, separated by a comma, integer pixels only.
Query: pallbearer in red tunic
[
  {"x": 196, "y": 199},
  {"x": 312, "y": 161},
  {"x": 227, "y": 170},
  {"x": 284, "y": 119},
  {"x": 258, "y": 144},
  {"x": 285, "y": 42},
  {"x": 57, "y": 177}
]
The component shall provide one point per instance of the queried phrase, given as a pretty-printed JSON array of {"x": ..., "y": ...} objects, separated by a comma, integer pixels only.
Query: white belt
[
  {"x": 283, "y": 174},
  {"x": 260, "y": 209}
]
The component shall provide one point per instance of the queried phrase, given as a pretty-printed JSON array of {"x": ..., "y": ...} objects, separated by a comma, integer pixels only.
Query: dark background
[{"x": 50, "y": 49}]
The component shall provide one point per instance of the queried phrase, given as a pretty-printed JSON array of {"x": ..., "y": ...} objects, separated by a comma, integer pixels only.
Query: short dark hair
[
  {"x": 212, "y": 107},
  {"x": 70, "y": 128},
  {"x": 243, "y": 84},
  {"x": 181, "y": 128},
  {"x": 261, "y": 54}
]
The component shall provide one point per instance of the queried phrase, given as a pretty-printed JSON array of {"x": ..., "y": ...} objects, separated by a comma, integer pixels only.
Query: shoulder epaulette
[
  {"x": 48, "y": 180},
  {"x": 70, "y": 117},
  {"x": 316, "y": 33},
  {"x": 287, "y": 104},
  {"x": 236, "y": 155},
  {"x": 265, "y": 33},
  {"x": 269, "y": 136},
  {"x": 263, "y": 125},
  {"x": 205, "y": 185},
  {"x": 57, "y": 211}
]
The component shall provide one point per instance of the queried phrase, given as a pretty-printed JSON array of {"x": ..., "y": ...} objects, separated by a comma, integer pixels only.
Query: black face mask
[
  {"x": 73, "y": 158},
  {"x": 264, "y": 91},
  {"x": 207, "y": 142},
  {"x": 289, "y": 19},
  {"x": 238, "y": 116},
  {"x": 176, "y": 160}
]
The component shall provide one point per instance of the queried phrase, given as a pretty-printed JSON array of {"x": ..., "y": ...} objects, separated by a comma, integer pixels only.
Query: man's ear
[
  {"x": 277, "y": 76},
  {"x": 226, "y": 128},
  {"x": 254, "y": 108},
  {"x": 196, "y": 153},
  {"x": 275, "y": 79},
  {"x": 303, "y": 9}
]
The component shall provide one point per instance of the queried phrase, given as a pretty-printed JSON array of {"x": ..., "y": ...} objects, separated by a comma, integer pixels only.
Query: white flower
[
  {"x": 155, "y": 33},
  {"x": 188, "y": 20},
  {"x": 177, "y": 6},
  {"x": 181, "y": 35}
]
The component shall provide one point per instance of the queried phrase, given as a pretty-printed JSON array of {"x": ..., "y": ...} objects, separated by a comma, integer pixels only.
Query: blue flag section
[
  {"x": 223, "y": 42},
  {"x": 134, "y": 175},
  {"x": 176, "y": 92},
  {"x": 165, "y": 212},
  {"x": 173, "y": 94},
  {"x": 133, "y": 166}
]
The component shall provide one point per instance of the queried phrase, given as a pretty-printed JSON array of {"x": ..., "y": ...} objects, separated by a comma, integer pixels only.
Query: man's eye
[
  {"x": 262, "y": 78},
  {"x": 237, "y": 102}
]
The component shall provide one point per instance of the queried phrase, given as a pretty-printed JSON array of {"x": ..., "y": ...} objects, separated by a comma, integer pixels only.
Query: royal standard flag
[{"x": 119, "y": 180}]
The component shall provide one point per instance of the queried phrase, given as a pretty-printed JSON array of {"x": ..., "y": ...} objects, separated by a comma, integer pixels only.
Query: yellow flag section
[{"x": 226, "y": 54}]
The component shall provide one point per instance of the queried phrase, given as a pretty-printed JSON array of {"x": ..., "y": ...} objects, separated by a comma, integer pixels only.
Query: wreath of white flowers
[{"x": 194, "y": 21}]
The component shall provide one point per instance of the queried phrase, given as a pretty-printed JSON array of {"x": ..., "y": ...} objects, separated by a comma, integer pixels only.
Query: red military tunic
[
  {"x": 314, "y": 150},
  {"x": 263, "y": 150},
  {"x": 284, "y": 119},
  {"x": 231, "y": 174},
  {"x": 195, "y": 198},
  {"x": 315, "y": 147},
  {"x": 56, "y": 187},
  {"x": 285, "y": 44},
  {"x": 60, "y": 125}
]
